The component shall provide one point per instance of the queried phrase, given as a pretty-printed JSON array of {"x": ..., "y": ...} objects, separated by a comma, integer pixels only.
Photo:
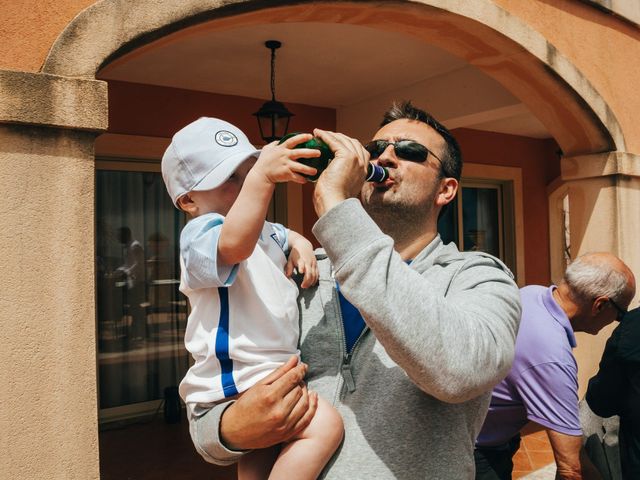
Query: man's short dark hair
[{"x": 451, "y": 157}]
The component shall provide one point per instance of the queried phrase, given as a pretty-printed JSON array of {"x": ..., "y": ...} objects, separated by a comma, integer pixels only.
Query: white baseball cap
[{"x": 203, "y": 155}]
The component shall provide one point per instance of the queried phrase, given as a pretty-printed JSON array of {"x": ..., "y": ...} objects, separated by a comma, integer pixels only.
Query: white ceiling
[{"x": 346, "y": 67}]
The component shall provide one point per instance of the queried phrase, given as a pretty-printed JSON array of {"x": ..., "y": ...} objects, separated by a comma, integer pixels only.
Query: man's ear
[
  {"x": 448, "y": 190},
  {"x": 598, "y": 305},
  {"x": 186, "y": 204}
]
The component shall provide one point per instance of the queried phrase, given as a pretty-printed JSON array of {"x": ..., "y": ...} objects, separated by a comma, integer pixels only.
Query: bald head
[{"x": 600, "y": 274}]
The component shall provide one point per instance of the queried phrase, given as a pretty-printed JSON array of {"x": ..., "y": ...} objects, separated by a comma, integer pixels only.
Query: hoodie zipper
[
  {"x": 347, "y": 374},
  {"x": 345, "y": 368}
]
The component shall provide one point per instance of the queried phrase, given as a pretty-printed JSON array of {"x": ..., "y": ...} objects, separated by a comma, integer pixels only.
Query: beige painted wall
[
  {"x": 605, "y": 48},
  {"x": 48, "y": 417},
  {"x": 29, "y": 28}
]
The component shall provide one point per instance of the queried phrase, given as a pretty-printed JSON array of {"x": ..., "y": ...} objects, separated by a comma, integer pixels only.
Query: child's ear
[{"x": 186, "y": 204}]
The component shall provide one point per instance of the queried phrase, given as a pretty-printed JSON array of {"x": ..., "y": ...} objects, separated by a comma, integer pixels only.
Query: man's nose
[{"x": 388, "y": 157}]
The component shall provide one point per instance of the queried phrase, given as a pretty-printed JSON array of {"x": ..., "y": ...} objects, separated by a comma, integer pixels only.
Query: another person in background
[
  {"x": 133, "y": 269},
  {"x": 542, "y": 385},
  {"x": 615, "y": 389}
]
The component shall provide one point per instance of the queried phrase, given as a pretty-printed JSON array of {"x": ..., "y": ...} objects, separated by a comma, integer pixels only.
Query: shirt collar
[{"x": 558, "y": 314}]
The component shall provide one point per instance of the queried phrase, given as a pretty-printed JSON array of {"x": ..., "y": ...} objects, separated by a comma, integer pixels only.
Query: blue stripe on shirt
[{"x": 222, "y": 345}]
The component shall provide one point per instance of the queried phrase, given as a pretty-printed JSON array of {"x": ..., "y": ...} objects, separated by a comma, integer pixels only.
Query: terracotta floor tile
[
  {"x": 534, "y": 443},
  {"x": 540, "y": 459},
  {"x": 535, "y": 453},
  {"x": 521, "y": 461}
]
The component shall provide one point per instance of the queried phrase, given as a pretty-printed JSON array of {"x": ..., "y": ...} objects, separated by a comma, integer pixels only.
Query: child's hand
[
  {"x": 302, "y": 258},
  {"x": 279, "y": 162}
]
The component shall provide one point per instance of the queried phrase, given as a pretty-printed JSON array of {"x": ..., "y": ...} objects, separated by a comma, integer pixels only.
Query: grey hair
[{"x": 588, "y": 279}]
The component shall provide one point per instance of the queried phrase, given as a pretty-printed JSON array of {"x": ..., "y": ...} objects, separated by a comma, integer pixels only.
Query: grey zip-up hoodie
[{"x": 415, "y": 389}]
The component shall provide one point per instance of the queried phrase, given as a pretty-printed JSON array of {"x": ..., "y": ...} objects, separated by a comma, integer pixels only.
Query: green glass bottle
[
  {"x": 319, "y": 163},
  {"x": 375, "y": 173}
]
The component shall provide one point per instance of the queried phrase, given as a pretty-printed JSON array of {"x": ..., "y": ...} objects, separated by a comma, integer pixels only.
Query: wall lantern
[{"x": 273, "y": 116}]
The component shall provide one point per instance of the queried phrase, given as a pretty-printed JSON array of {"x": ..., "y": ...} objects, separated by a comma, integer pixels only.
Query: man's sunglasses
[
  {"x": 621, "y": 311},
  {"x": 405, "y": 149}
]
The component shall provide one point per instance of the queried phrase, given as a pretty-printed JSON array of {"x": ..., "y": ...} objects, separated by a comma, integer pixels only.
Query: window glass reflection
[
  {"x": 480, "y": 220},
  {"x": 141, "y": 315}
]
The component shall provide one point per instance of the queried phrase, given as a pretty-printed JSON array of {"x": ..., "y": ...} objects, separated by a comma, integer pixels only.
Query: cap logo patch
[{"x": 226, "y": 138}]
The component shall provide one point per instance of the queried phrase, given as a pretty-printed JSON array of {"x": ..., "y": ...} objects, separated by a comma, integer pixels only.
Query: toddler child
[{"x": 244, "y": 315}]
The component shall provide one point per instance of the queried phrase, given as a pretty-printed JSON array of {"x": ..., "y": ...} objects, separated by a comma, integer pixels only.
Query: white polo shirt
[{"x": 244, "y": 318}]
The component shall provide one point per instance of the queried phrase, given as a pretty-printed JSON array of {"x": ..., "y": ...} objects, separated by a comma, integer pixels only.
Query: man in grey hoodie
[{"x": 405, "y": 335}]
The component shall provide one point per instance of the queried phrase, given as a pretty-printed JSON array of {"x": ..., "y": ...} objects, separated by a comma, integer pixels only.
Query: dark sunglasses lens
[
  {"x": 376, "y": 148},
  {"x": 405, "y": 149},
  {"x": 411, "y": 151}
]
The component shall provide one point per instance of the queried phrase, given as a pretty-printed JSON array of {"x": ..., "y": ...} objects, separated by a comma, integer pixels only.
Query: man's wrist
[
  {"x": 205, "y": 431},
  {"x": 223, "y": 432},
  {"x": 325, "y": 202}
]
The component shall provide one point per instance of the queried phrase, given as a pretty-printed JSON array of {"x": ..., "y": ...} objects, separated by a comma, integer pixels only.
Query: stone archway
[{"x": 480, "y": 32}]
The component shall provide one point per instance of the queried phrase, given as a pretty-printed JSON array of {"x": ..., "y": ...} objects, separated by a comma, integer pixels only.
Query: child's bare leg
[
  {"x": 257, "y": 465},
  {"x": 308, "y": 452}
]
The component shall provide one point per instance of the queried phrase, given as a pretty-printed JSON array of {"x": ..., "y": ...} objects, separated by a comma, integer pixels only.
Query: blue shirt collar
[{"x": 558, "y": 314}]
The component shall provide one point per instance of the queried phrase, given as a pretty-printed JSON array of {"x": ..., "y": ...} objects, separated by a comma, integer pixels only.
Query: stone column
[
  {"x": 48, "y": 388},
  {"x": 604, "y": 215}
]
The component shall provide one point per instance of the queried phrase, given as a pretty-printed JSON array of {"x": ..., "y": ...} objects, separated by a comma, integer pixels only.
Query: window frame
[
  {"x": 510, "y": 180},
  {"x": 502, "y": 198},
  {"x": 138, "y": 410},
  {"x": 559, "y": 219}
]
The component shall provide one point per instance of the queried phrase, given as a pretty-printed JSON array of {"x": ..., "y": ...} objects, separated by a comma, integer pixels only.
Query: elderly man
[
  {"x": 542, "y": 385},
  {"x": 405, "y": 335}
]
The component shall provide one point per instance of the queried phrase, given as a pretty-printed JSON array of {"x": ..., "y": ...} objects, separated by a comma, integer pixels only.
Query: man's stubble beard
[{"x": 399, "y": 218}]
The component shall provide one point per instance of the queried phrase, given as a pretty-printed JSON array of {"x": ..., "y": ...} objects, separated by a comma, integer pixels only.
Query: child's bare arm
[
  {"x": 302, "y": 258},
  {"x": 243, "y": 223}
]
